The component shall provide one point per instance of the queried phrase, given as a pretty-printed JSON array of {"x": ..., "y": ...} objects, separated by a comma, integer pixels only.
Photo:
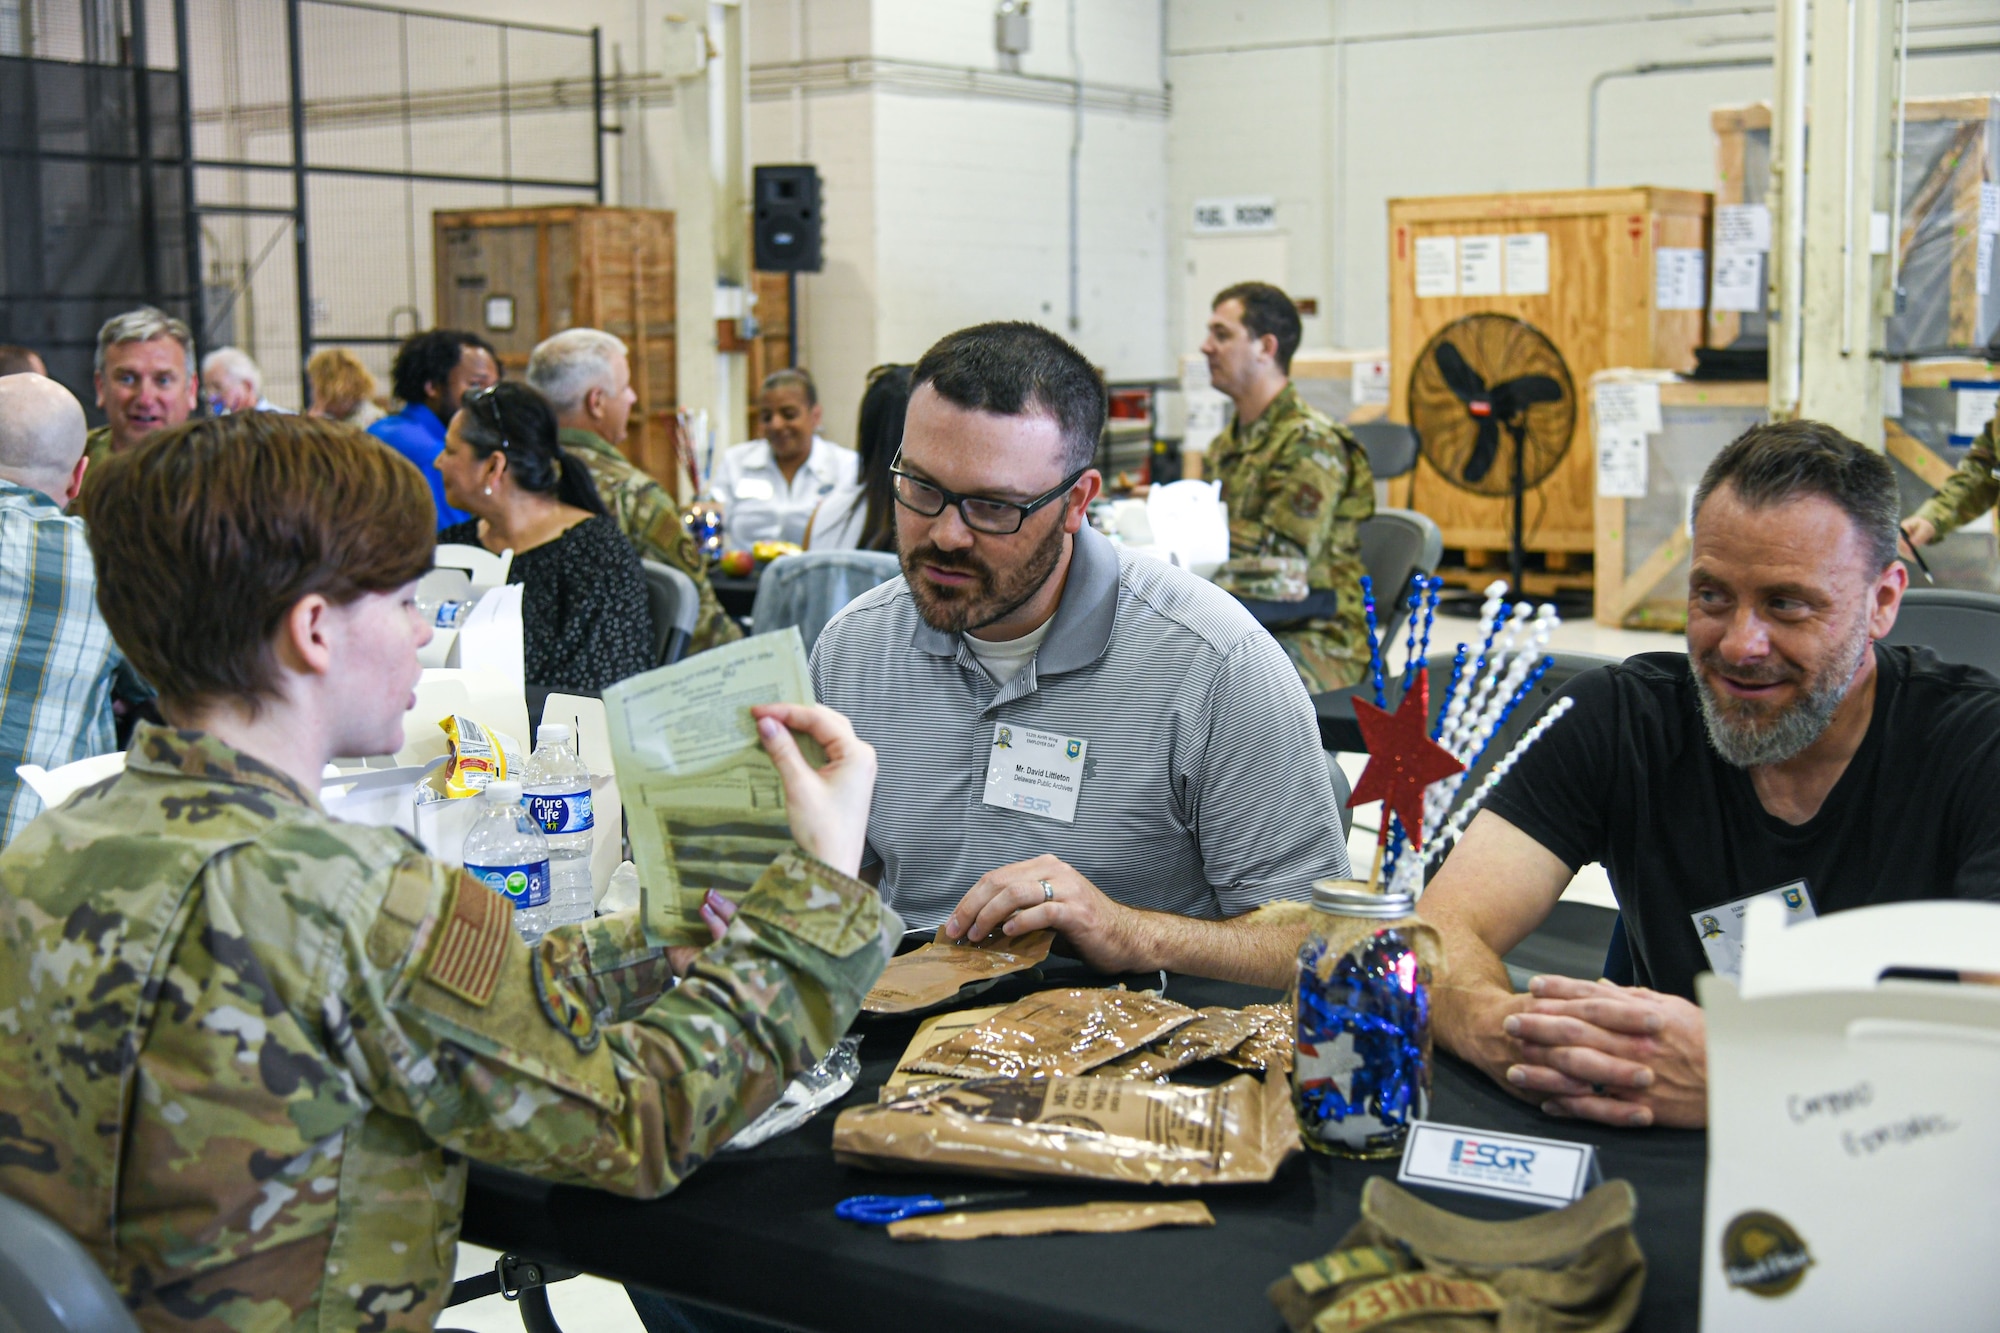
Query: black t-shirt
[{"x": 1629, "y": 779}]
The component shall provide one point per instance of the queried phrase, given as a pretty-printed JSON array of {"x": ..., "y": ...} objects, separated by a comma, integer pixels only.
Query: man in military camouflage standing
[
  {"x": 586, "y": 376},
  {"x": 1297, "y": 484},
  {"x": 1965, "y": 495},
  {"x": 244, "y": 1047}
]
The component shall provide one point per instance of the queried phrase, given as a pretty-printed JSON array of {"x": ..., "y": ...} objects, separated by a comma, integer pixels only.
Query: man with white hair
[
  {"x": 585, "y": 375},
  {"x": 145, "y": 378},
  {"x": 233, "y": 383},
  {"x": 56, "y": 656}
]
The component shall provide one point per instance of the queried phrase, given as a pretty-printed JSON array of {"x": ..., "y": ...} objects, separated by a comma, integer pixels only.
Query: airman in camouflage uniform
[
  {"x": 1298, "y": 485},
  {"x": 1968, "y": 492},
  {"x": 243, "y": 1045},
  {"x": 651, "y": 521}
]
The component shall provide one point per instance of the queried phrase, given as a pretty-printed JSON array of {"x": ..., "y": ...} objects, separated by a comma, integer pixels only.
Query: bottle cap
[
  {"x": 1348, "y": 897},
  {"x": 551, "y": 733},
  {"x": 506, "y": 793}
]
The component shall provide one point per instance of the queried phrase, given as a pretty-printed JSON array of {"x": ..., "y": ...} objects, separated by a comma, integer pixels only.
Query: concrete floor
[{"x": 1576, "y": 636}]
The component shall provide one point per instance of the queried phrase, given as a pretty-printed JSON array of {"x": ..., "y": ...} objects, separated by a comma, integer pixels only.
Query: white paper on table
[
  {"x": 1628, "y": 404},
  {"x": 1739, "y": 281},
  {"x": 1479, "y": 266},
  {"x": 490, "y": 636},
  {"x": 1989, "y": 207},
  {"x": 1743, "y": 227},
  {"x": 1527, "y": 259},
  {"x": 1976, "y": 406},
  {"x": 1371, "y": 383},
  {"x": 1621, "y": 463},
  {"x": 1679, "y": 278},
  {"x": 1437, "y": 266}
]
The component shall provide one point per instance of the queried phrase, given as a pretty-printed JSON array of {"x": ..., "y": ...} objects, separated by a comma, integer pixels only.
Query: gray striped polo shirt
[{"x": 1204, "y": 791}]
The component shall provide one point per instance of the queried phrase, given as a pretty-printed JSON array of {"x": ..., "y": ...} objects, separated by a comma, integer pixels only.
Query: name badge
[
  {"x": 1721, "y": 928},
  {"x": 753, "y": 488},
  {"x": 1036, "y": 772},
  {"x": 1545, "y": 1172}
]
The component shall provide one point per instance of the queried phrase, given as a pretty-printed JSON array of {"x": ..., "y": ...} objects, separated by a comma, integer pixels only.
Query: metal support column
[
  {"x": 301, "y": 256},
  {"x": 142, "y": 117},
  {"x": 197, "y": 297},
  {"x": 597, "y": 104}
]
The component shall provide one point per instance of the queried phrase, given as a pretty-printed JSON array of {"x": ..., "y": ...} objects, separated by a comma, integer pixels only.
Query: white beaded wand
[{"x": 1453, "y": 830}]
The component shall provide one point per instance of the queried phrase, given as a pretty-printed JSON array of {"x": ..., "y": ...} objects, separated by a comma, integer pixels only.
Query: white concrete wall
[{"x": 1337, "y": 106}]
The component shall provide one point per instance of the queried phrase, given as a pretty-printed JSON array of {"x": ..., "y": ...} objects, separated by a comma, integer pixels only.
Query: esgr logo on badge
[{"x": 1491, "y": 1160}]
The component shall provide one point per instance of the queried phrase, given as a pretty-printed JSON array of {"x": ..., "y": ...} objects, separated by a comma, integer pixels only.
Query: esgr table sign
[{"x": 1545, "y": 1172}]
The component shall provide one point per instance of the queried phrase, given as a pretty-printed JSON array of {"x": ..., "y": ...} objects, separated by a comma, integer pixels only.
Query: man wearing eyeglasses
[{"x": 1068, "y": 736}]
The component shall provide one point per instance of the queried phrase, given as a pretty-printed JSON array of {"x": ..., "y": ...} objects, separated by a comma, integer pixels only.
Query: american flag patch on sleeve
[{"x": 471, "y": 942}]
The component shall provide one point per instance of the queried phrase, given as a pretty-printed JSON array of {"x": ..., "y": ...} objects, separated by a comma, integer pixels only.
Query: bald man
[{"x": 56, "y": 656}]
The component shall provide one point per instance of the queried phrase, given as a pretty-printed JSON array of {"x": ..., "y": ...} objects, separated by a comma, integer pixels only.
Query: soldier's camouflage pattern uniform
[
  {"x": 1970, "y": 491},
  {"x": 242, "y": 1043},
  {"x": 1298, "y": 484},
  {"x": 651, "y": 521}
]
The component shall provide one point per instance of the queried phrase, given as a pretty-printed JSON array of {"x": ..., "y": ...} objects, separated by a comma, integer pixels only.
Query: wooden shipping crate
[
  {"x": 1599, "y": 304},
  {"x": 1336, "y": 381},
  {"x": 1951, "y": 149},
  {"x": 517, "y": 275},
  {"x": 1642, "y": 549}
]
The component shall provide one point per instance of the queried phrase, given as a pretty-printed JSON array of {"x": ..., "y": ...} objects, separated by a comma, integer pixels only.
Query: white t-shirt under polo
[
  {"x": 1204, "y": 791},
  {"x": 1002, "y": 659}
]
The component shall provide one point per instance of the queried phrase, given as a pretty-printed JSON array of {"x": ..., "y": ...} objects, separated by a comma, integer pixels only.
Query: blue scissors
[{"x": 877, "y": 1210}]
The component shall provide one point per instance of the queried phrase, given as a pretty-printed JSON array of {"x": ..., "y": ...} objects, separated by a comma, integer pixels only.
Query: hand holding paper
[{"x": 829, "y": 805}]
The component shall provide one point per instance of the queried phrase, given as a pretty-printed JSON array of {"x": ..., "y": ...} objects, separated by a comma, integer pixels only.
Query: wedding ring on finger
[{"x": 1048, "y": 890}]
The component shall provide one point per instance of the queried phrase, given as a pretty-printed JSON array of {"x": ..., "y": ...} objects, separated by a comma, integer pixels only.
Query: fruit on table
[
  {"x": 738, "y": 563},
  {"x": 769, "y": 551}
]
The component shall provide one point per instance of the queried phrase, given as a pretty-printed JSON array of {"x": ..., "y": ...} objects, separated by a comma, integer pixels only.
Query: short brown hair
[
  {"x": 340, "y": 383},
  {"x": 1266, "y": 310},
  {"x": 1783, "y": 460},
  {"x": 208, "y": 534}
]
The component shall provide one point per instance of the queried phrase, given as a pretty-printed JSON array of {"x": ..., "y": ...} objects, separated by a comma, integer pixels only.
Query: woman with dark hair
[
  {"x": 587, "y": 622},
  {"x": 862, "y": 514}
]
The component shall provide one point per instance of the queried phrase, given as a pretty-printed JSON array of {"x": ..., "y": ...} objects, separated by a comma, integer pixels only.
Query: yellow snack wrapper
[{"x": 479, "y": 756}]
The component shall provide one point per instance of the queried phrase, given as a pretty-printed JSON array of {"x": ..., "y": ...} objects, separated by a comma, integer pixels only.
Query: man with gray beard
[{"x": 1789, "y": 754}]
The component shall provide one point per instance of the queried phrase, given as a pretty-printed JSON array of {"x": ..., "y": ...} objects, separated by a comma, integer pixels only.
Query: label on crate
[
  {"x": 1679, "y": 276},
  {"x": 1437, "y": 266},
  {"x": 1528, "y": 264},
  {"x": 1621, "y": 463}
]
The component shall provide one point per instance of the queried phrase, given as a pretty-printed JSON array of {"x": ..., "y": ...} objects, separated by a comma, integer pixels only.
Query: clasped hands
[{"x": 1622, "y": 1055}]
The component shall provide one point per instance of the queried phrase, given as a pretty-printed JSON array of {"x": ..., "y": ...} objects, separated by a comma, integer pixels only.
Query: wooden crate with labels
[
  {"x": 1609, "y": 277},
  {"x": 516, "y": 275}
]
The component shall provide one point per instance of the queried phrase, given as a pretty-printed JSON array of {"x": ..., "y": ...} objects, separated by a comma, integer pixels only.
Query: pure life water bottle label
[
  {"x": 527, "y": 886},
  {"x": 567, "y": 812}
]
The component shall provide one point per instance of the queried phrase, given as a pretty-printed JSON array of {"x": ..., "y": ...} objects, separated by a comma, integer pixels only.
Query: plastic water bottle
[
  {"x": 558, "y": 800},
  {"x": 506, "y": 850}
]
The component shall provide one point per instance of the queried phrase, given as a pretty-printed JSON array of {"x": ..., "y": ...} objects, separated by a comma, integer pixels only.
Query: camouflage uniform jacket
[
  {"x": 1970, "y": 491},
  {"x": 242, "y": 1045},
  {"x": 1297, "y": 484},
  {"x": 651, "y": 521}
]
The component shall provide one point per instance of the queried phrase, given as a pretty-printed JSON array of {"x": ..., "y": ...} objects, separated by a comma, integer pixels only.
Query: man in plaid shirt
[{"x": 56, "y": 656}]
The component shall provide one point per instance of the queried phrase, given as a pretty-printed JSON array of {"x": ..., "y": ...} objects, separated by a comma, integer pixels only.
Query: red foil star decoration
[{"x": 1402, "y": 759}]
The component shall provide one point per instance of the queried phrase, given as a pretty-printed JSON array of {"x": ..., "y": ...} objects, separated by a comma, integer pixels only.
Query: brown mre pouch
[
  {"x": 1055, "y": 1032},
  {"x": 1086, "y": 1128},
  {"x": 939, "y": 970},
  {"x": 1421, "y": 1269},
  {"x": 1097, "y": 1218},
  {"x": 1216, "y": 1032},
  {"x": 1269, "y": 1048}
]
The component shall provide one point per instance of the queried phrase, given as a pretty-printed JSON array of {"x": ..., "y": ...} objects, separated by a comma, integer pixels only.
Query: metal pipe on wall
[
  {"x": 1788, "y": 165},
  {"x": 1075, "y": 181}
]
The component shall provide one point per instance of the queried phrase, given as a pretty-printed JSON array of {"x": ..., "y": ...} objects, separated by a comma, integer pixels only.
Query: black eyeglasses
[{"x": 998, "y": 518}]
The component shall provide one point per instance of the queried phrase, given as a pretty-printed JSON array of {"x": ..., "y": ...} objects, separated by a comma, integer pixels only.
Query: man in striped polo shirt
[
  {"x": 1068, "y": 736},
  {"x": 56, "y": 655}
]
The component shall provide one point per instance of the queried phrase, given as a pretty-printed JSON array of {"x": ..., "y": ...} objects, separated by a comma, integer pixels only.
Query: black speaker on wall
[{"x": 786, "y": 214}]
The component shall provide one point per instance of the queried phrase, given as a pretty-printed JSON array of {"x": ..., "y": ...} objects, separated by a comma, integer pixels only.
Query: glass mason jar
[{"x": 1362, "y": 1070}]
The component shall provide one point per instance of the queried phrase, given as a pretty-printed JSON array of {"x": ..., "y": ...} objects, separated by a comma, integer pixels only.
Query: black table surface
[
  {"x": 737, "y": 594},
  {"x": 755, "y": 1232}
]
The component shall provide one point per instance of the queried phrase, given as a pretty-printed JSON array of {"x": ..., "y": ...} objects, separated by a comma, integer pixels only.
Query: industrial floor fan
[{"x": 1482, "y": 377}]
